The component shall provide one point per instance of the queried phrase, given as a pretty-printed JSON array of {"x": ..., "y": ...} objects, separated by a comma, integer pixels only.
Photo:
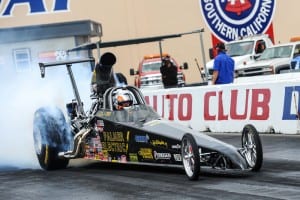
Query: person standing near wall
[
  {"x": 223, "y": 66},
  {"x": 169, "y": 73}
]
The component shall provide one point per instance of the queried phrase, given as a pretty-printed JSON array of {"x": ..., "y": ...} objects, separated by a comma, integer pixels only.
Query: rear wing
[
  {"x": 64, "y": 62},
  {"x": 68, "y": 64}
]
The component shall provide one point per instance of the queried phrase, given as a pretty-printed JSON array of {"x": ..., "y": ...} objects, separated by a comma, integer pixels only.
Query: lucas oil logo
[{"x": 231, "y": 19}]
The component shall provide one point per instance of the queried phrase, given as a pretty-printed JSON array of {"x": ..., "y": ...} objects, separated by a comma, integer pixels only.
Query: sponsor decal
[
  {"x": 159, "y": 143},
  {"x": 114, "y": 147},
  {"x": 146, "y": 153},
  {"x": 133, "y": 157},
  {"x": 93, "y": 148},
  {"x": 177, "y": 157},
  {"x": 34, "y": 6},
  {"x": 113, "y": 136},
  {"x": 122, "y": 159},
  {"x": 52, "y": 56},
  {"x": 103, "y": 114},
  {"x": 161, "y": 156},
  {"x": 107, "y": 114},
  {"x": 177, "y": 146},
  {"x": 141, "y": 138},
  {"x": 127, "y": 139},
  {"x": 99, "y": 126},
  {"x": 114, "y": 142},
  {"x": 231, "y": 19}
]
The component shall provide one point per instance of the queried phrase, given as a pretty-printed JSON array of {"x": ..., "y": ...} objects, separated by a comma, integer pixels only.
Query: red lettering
[
  {"x": 154, "y": 101},
  {"x": 171, "y": 97},
  {"x": 263, "y": 104},
  {"x": 259, "y": 110},
  {"x": 221, "y": 115},
  {"x": 233, "y": 106},
  {"x": 147, "y": 100},
  {"x": 206, "y": 104},
  {"x": 188, "y": 116}
]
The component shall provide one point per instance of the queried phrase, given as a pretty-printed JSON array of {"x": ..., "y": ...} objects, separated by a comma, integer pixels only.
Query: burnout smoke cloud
[{"x": 22, "y": 94}]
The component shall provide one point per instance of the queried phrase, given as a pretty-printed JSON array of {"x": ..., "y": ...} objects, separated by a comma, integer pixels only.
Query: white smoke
[{"x": 21, "y": 95}]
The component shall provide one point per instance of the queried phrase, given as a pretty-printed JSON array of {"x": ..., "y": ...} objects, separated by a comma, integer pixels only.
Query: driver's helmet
[{"x": 122, "y": 99}]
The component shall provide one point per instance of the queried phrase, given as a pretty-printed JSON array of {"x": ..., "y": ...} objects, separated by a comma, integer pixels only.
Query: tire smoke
[{"x": 22, "y": 94}]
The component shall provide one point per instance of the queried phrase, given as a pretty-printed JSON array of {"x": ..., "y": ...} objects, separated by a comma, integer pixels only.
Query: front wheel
[
  {"x": 190, "y": 157},
  {"x": 252, "y": 148}
]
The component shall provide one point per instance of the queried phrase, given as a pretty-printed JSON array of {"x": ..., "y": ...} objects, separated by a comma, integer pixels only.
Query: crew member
[
  {"x": 169, "y": 73},
  {"x": 223, "y": 66}
]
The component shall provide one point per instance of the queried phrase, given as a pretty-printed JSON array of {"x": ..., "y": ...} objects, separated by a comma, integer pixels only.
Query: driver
[{"x": 122, "y": 99}]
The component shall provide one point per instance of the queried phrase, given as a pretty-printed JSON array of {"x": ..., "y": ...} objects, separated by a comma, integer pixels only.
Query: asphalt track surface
[{"x": 279, "y": 178}]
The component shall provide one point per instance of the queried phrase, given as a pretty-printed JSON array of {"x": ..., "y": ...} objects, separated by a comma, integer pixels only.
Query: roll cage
[{"x": 138, "y": 98}]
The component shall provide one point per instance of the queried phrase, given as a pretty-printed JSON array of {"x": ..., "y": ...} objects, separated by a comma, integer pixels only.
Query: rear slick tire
[
  {"x": 51, "y": 136},
  {"x": 190, "y": 157}
]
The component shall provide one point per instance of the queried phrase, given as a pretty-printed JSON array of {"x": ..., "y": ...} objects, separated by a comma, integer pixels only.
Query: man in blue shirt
[
  {"x": 223, "y": 66},
  {"x": 295, "y": 63}
]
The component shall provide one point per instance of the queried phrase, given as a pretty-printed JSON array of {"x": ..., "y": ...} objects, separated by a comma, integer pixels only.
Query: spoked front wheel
[
  {"x": 190, "y": 157},
  {"x": 252, "y": 148}
]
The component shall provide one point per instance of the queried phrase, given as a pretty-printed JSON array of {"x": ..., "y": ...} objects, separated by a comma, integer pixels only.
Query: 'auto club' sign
[
  {"x": 231, "y": 19},
  {"x": 34, "y": 6}
]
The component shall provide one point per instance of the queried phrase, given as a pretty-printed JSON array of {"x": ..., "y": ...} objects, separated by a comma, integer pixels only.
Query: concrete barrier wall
[{"x": 270, "y": 103}]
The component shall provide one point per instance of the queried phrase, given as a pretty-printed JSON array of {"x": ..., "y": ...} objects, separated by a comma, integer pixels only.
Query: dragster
[{"x": 135, "y": 135}]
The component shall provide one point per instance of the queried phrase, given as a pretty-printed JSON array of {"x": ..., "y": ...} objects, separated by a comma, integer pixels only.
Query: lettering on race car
[
  {"x": 161, "y": 156},
  {"x": 141, "y": 138},
  {"x": 120, "y": 159},
  {"x": 133, "y": 157},
  {"x": 114, "y": 142},
  {"x": 177, "y": 157},
  {"x": 160, "y": 143},
  {"x": 104, "y": 114},
  {"x": 34, "y": 6},
  {"x": 146, "y": 153},
  {"x": 115, "y": 146},
  {"x": 177, "y": 146},
  {"x": 259, "y": 106},
  {"x": 113, "y": 136}
]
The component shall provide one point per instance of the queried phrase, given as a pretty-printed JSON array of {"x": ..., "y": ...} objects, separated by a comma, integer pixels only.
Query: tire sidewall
[
  {"x": 259, "y": 151},
  {"x": 196, "y": 169},
  {"x": 51, "y": 129}
]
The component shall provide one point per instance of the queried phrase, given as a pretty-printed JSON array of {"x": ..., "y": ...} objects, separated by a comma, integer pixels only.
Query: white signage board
[{"x": 270, "y": 103}]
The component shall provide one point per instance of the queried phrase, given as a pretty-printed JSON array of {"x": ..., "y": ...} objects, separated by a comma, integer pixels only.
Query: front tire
[
  {"x": 251, "y": 144},
  {"x": 51, "y": 136},
  {"x": 190, "y": 157}
]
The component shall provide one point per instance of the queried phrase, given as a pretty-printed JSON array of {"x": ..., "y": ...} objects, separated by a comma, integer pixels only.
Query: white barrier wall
[{"x": 270, "y": 103}]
